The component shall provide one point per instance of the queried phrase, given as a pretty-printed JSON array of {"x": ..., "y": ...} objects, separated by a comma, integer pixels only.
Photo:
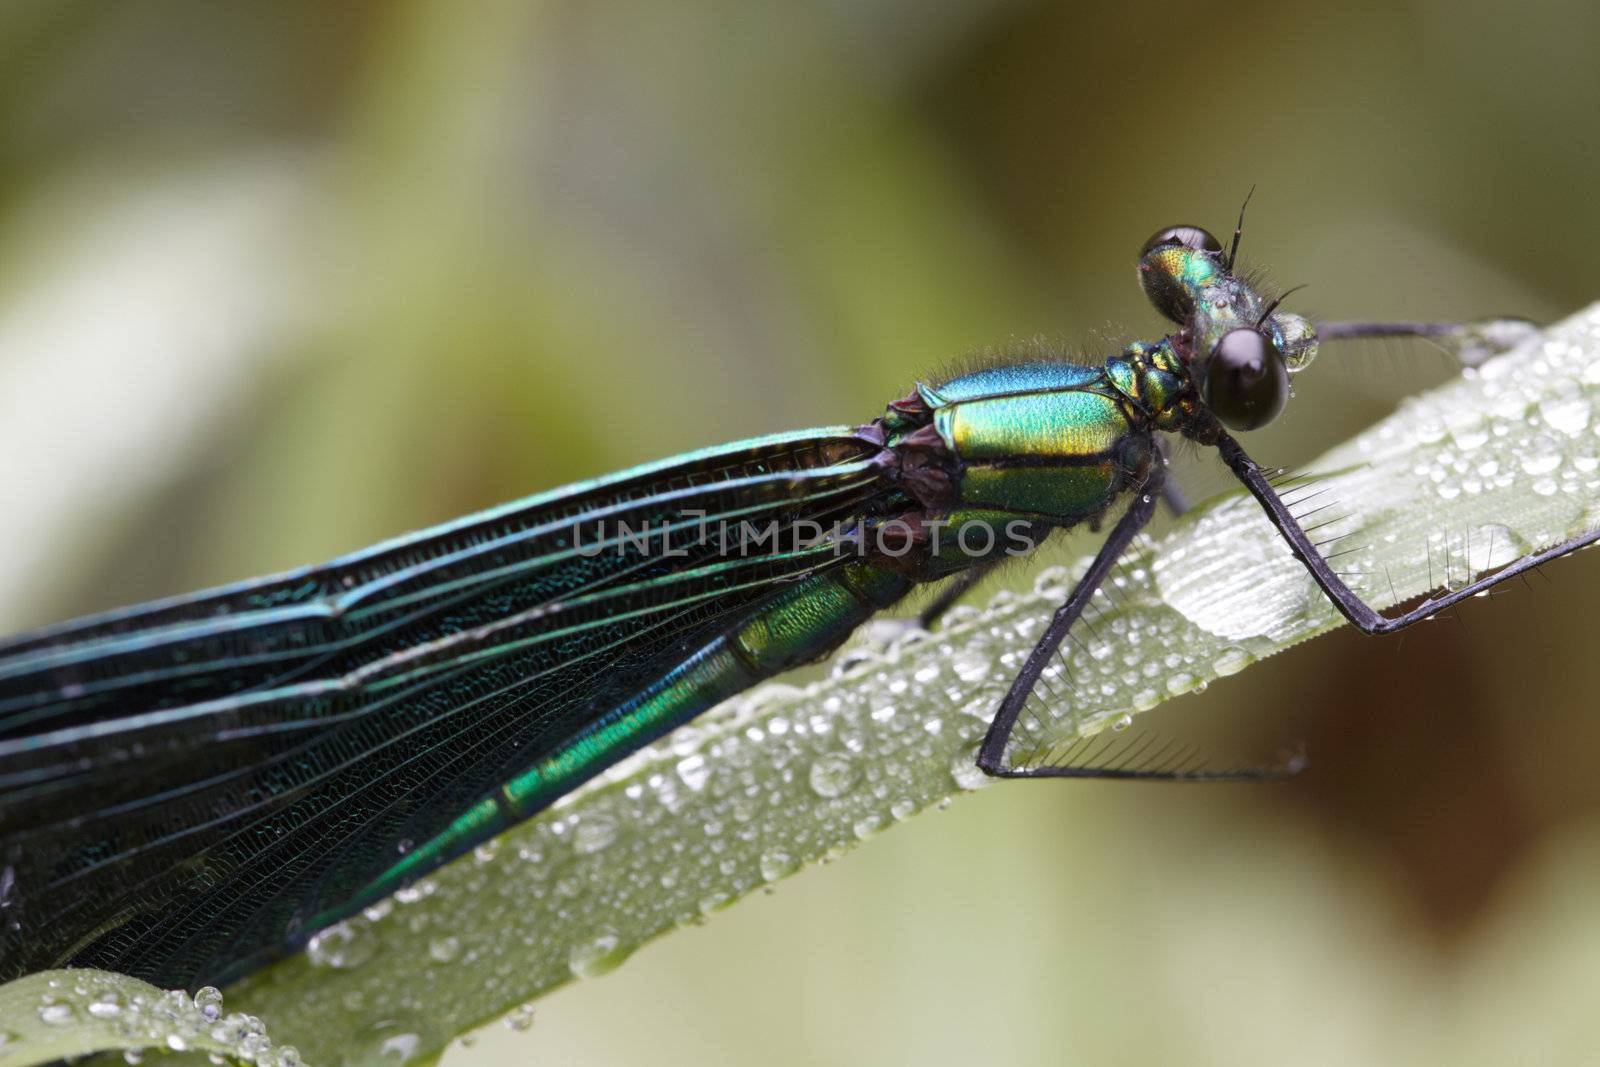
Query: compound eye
[
  {"x": 1246, "y": 384},
  {"x": 1191, "y": 237}
]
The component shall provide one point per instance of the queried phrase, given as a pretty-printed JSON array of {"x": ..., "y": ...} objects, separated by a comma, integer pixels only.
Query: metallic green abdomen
[{"x": 801, "y": 624}]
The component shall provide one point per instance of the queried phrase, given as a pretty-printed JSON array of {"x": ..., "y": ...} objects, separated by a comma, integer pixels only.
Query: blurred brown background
[{"x": 277, "y": 280}]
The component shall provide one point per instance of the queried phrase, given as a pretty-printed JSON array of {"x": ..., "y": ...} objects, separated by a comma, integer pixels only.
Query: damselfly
[{"x": 190, "y": 787}]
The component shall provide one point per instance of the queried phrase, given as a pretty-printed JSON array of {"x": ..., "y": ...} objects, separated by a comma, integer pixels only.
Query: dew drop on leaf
[{"x": 833, "y": 776}]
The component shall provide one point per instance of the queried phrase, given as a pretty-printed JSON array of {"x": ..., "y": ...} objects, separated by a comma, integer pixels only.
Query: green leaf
[
  {"x": 55, "y": 1014},
  {"x": 1499, "y": 462}
]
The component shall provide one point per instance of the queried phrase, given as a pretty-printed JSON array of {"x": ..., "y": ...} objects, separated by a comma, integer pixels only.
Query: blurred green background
[{"x": 280, "y": 279}]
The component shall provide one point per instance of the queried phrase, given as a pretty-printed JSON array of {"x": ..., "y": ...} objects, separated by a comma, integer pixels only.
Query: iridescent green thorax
[
  {"x": 1040, "y": 444},
  {"x": 1155, "y": 378}
]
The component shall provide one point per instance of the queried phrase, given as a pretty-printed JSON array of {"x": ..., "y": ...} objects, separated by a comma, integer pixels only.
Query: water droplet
[
  {"x": 1180, "y": 683},
  {"x": 903, "y": 809},
  {"x": 56, "y": 1013},
  {"x": 1231, "y": 660},
  {"x": 208, "y": 1001},
  {"x": 853, "y": 661},
  {"x": 1542, "y": 459},
  {"x": 593, "y": 833},
  {"x": 1053, "y": 583},
  {"x": 970, "y": 666},
  {"x": 693, "y": 771},
  {"x": 388, "y": 1043},
  {"x": 133, "y": 1056},
  {"x": 520, "y": 1018},
  {"x": 833, "y": 776},
  {"x": 1122, "y": 722},
  {"x": 410, "y": 894},
  {"x": 1492, "y": 546},
  {"x": 597, "y": 956},
  {"x": 231, "y": 1028},
  {"x": 107, "y": 1006},
  {"x": 965, "y": 770},
  {"x": 343, "y": 946},
  {"x": 1567, "y": 410},
  {"x": 175, "y": 1004},
  {"x": 777, "y": 864},
  {"x": 444, "y": 949},
  {"x": 254, "y": 1046},
  {"x": 1145, "y": 699},
  {"x": 1470, "y": 431},
  {"x": 867, "y": 826}
]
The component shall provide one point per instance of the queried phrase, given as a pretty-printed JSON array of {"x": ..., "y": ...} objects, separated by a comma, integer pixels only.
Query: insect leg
[
  {"x": 1172, "y": 495},
  {"x": 1470, "y": 342},
  {"x": 991, "y": 754},
  {"x": 1350, "y": 605}
]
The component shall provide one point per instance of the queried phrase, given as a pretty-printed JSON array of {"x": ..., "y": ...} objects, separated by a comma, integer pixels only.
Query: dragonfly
[{"x": 193, "y": 787}]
